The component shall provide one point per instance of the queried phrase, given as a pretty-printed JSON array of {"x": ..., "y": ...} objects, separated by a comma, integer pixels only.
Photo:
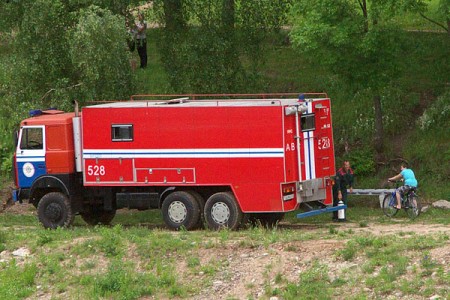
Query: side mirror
[{"x": 16, "y": 138}]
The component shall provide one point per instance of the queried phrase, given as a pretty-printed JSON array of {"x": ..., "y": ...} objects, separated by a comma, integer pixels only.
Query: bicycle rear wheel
[
  {"x": 389, "y": 205},
  {"x": 413, "y": 207}
]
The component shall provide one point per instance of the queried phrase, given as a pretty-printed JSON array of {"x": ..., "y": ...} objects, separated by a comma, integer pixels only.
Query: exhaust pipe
[{"x": 77, "y": 112}]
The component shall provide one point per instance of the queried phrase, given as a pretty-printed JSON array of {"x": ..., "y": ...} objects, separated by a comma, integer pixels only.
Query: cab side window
[
  {"x": 32, "y": 139},
  {"x": 122, "y": 132}
]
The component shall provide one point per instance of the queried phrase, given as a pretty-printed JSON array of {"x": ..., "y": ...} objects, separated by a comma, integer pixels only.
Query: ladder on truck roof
[{"x": 225, "y": 96}]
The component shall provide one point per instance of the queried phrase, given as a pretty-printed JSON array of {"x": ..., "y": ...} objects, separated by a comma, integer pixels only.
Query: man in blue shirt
[{"x": 409, "y": 182}]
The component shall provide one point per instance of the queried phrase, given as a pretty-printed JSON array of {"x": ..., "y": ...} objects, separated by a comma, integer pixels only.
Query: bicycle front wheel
[
  {"x": 389, "y": 205},
  {"x": 413, "y": 207}
]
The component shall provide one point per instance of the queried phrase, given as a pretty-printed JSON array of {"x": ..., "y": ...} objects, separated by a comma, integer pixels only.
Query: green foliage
[
  {"x": 429, "y": 147},
  {"x": 97, "y": 50},
  {"x": 111, "y": 242},
  {"x": 17, "y": 282},
  {"x": 437, "y": 115},
  {"x": 3, "y": 240},
  {"x": 44, "y": 237},
  {"x": 362, "y": 161},
  {"x": 59, "y": 51},
  {"x": 11, "y": 13},
  {"x": 313, "y": 284},
  {"x": 70, "y": 51},
  {"x": 351, "y": 42},
  {"x": 5, "y": 163},
  {"x": 120, "y": 280},
  {"x": 216, "y": 46}
]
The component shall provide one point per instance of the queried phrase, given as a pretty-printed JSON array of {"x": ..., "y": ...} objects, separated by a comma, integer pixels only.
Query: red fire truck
[{"x": 210, "y": 161}]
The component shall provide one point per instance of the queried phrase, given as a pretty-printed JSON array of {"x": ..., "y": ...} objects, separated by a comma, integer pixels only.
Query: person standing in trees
[
  {"x": 343, "y": 180},
  {"x": 141, "y": 39}
]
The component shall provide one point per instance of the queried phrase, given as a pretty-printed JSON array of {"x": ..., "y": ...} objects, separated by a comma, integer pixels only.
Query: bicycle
[{"x": 409, "y": 202}]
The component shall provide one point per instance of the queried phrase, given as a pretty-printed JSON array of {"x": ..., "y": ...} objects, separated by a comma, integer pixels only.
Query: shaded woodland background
[{"x": 385, "y": 65}]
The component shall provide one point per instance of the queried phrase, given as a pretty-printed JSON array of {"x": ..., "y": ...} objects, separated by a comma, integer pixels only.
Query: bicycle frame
[{"x": 409, "y": 202}]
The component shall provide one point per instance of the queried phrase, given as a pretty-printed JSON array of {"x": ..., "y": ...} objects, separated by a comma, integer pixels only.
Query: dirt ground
[
  {"x": 246, "y": 272},
  {"x": 250, "y": 271}
]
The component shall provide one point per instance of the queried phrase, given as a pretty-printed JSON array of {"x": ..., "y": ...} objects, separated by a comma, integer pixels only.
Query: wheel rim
[
  {"x": 177, "y": 212},
  {"x": 413, "y": 210},
  {"x": 389, "y": 206},
  {"x": 220, "y": 213},
  {"x": 53, "y": 212}
]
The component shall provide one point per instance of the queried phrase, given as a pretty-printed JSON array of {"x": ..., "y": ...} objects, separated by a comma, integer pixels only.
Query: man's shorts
[{"x": 404, "y": 189}]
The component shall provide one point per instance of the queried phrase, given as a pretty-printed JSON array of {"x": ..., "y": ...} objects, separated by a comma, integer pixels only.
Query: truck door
[
  {"x": 315, "y": 152},
  {"x": 308, "y": 128},
  {"x": 324, "y": 151},
  {"x": 30, "y": 155}
]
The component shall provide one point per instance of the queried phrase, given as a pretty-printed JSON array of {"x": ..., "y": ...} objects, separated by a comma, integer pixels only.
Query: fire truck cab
[{"x": 210, "y": 161}]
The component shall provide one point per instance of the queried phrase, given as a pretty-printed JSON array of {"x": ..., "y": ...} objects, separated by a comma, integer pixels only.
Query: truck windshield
[{"x": 32, "y": 139}]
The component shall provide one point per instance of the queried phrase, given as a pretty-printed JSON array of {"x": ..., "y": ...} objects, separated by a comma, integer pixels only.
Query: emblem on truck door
[{"x": 28, "y": 169}]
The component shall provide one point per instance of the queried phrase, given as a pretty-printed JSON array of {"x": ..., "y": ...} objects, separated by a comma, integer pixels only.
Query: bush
[
  {"x": 362, "y": 161},
  {"x": 437, "y": 115}
]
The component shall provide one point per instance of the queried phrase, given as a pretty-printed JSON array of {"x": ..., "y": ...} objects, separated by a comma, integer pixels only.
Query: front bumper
[
  {"x": 15, "y": 195},
  {"x": 20, "y": 194}
]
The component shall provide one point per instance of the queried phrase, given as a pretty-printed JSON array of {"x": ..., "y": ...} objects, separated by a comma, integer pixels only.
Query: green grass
[
  {"x": 413, "y": 21},
  {"x": 135, "y": 260},
  {"x": 137, "y": 257},
  {"x": 17, "y": 282},
  {"x": 153, "y": 79},
  {"x": 314, "y": 283}
]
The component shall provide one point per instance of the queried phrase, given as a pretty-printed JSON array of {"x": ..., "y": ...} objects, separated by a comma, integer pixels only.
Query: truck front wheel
[
  {"x": 181, "y": 209},
  {"x": 222, "y": 211},
  {"x": 54, "y": 211}
]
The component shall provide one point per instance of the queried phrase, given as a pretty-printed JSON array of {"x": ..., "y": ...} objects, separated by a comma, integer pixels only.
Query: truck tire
[
  {"x": 95, "y": 216},
  {"x": 222, "y": 211},
  {"x": 54, "y": 211},
  {"x": 201, "y": 205},
  {"x": 181, "y": 209}
]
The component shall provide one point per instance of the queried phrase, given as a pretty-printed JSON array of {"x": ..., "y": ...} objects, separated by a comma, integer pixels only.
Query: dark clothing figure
[
  {"x": 142, "y": 50},
  {"x": 343, "y": 181},
  {"x": 141, "y": 40}
]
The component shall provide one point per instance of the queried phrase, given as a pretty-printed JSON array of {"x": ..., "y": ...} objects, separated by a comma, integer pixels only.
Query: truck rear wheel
[
  {"x": 201, "y": 205},
  {"x": 181, "y": 209},
  {"x": 54, "y": 211},
  {"x": 222, "y": 211},
  {"x": 95, "y": 216}
]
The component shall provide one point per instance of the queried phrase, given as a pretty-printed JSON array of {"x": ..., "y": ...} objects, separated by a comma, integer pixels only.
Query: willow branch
[{"x": 434, "y": 22}]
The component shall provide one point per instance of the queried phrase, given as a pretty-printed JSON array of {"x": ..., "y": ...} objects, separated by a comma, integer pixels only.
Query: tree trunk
[
  {"x": 174, "y": 35},
  {"x": 379, "y": 133},
  {"x": 363, "y": 5},
  {"x": 232, "y": 65},
  {"x": 173, "y": 14},
  {"x": 228, "y": 14}
]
